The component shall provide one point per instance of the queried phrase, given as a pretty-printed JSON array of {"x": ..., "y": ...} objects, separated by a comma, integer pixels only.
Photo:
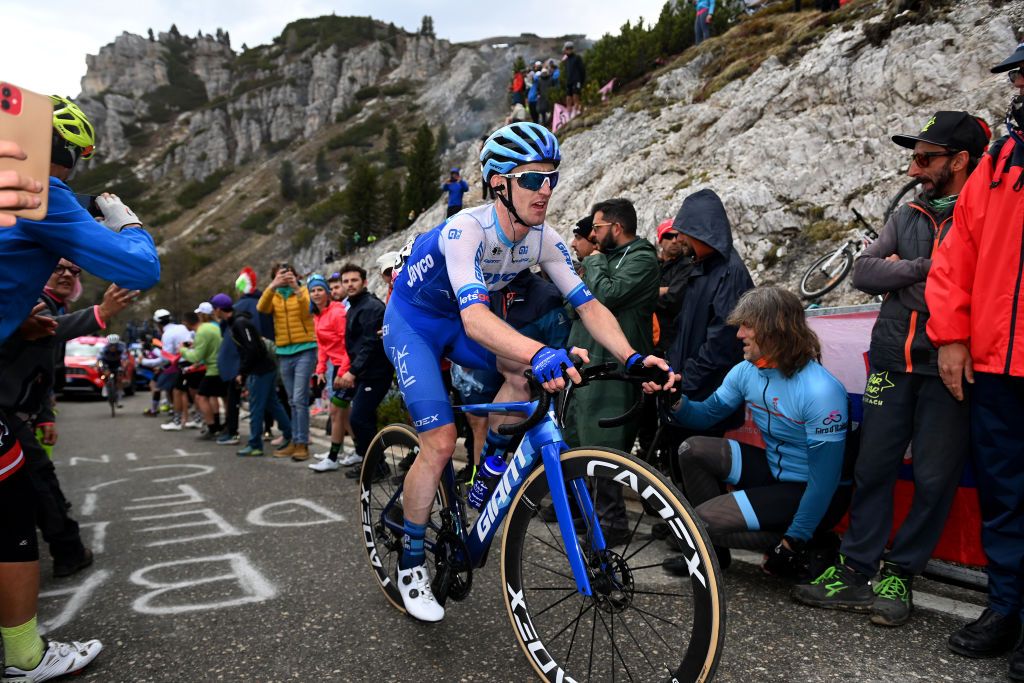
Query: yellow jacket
[{"x": 293, "y": 323}]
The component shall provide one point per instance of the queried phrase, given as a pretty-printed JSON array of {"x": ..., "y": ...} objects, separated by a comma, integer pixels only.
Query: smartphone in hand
[{"x": 27, "y": 119}]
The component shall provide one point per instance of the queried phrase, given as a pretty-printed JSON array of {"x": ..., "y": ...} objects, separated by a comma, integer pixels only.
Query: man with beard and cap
[
  {"x": 905, "y": 401},
  {"x": 974, "y": 294}
]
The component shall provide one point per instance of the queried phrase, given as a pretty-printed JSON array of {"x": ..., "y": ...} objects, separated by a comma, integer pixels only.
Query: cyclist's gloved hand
[
  {"x": 115, "y": 214},
  {"x": 548, "y": 364},
  {"x": 786, "y": 563},
  {"x": 635, "y": 366}
]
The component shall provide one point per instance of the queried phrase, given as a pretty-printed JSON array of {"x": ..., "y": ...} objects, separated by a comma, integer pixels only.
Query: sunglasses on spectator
[
  {"x": 1014, "y": 74},
  {"x": 669, "y": 236},
  {"x": 534, "y": 180},
  {"x": 923, "y": 159},
  {"x": 73, "y": 271}
]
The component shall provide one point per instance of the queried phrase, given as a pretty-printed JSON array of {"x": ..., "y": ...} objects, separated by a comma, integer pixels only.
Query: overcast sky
[{"x": 45, "y": 43}]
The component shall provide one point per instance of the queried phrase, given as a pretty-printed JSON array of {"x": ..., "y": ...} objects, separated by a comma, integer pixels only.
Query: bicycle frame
[{"x": 544, "y": 439}]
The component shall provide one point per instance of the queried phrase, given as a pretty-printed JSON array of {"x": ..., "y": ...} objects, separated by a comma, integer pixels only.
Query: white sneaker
[
  {"x": 350, "y": 458},
  {"x": 195, "y": 424},
  {"x": 414, "y": 585},
  {"x": 58, "y": 659},
  {"x": 325, "y": 465},
  {"x": 321, "y": 456},
  {"x": 172, "y": 426}
]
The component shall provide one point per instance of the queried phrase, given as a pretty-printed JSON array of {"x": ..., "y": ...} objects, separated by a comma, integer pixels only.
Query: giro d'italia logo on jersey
[{"x": 832, "y": 423}]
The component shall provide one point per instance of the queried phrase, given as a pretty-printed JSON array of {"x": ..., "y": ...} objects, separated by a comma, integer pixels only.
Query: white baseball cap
[
  {"x": 387, "y": 260},
  {"x": 206, "y": 308}
]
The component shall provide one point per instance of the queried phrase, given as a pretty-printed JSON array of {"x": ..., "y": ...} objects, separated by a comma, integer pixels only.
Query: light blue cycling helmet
[{"x": 516, "y": 144}]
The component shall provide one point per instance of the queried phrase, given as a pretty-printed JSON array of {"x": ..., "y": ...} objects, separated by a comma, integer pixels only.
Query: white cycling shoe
[
  {"x": 414, "y": 585},
  {"x": 59, "y": 659}
]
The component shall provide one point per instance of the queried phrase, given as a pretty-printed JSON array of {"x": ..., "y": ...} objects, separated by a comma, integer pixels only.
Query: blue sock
[
  {"x": 495, "y": 444},
  {"x": 412, "y": 546}
]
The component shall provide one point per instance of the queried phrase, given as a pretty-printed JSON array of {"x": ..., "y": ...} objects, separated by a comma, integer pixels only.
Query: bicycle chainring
[{"x": 453, "y": 576}]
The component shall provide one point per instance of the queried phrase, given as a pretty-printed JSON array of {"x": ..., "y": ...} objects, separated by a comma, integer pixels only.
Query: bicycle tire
[
  {"x": 811, "y": 288},
  {"x": 534, "y": 609},
  {"x": 382, "y": 546},
  {"x": 112, "y": 397},
  {"x": 898, "y": 199}
]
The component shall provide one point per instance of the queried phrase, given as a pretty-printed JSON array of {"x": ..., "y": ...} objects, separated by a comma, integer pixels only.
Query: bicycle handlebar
[{"x": 594, "y": 373}]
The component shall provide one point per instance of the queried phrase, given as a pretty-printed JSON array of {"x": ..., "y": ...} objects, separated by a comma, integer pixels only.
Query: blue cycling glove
[
  {"x": 548, "y": 363},
  {"x": 635, "y": 363}
]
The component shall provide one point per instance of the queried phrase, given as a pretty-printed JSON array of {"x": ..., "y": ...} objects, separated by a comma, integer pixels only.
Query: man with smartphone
[
  {"x": 118, "y": 249},
  {"x": 16, "y": 191}
]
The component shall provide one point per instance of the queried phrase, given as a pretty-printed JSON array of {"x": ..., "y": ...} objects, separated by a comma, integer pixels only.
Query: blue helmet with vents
[{"x": 517, "y": 144}]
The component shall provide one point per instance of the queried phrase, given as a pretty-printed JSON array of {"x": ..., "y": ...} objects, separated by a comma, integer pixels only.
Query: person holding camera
[
  {"x": 455, "y": 187},
  {"x": 295, "y": 335}
]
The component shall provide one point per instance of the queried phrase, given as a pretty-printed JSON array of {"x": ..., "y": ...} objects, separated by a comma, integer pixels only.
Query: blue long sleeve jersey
[
  {"x": 705, "y": 5},
  {"x": 30, "y": 250},
  {"x": 802, "y": 420}
]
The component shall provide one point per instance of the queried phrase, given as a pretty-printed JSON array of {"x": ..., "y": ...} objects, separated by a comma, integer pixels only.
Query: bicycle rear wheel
[
  {"x": 379, "y": 494},
  {"x": 640, "y": 623},
  {"x": 822, "y": 277}
]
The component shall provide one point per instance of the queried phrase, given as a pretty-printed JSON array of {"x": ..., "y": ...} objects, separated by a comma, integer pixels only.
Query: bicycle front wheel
[
  {"x": 640, "y": 623},
  {"x": 826, "y": 273}
]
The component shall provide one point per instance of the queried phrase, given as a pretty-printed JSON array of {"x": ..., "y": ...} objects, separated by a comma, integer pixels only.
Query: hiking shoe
[
  {"x": 414, "y": 585},
  {"x": 894, "y": 600},
  {"x": 839, "y": 587},
  {"x": 300, "y": 452},
  {"x": 249, "y": 451},
  {"x": 59, "y": 659},
  {"x": 349, "y": 459},
  {"x": 62, "y": 569},
  {"x": 325, "y": 465},
  {"x": 228, "y": 440},
  {"x": 285, "y": 451},
  {"x": 990, "y": 635},
  {"x": 172, "y": 426}
]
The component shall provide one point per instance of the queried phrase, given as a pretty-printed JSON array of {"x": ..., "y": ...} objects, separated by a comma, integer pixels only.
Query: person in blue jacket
[
  {"x": 116, "y": 249},
  {"x": 802, "y": 413},
  {"x": 455, "y": 187}
]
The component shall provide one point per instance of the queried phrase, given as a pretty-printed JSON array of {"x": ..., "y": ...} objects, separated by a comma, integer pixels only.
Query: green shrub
[
  {"x": 164, "y": 218},
  {"x": 323, "y": 212},
  {"x": 367, "y": 93},
  {"x": 322, "y": 32},
  {"x": 361, "y": 134},
  {"x": 193, "y": 193},
  {"x": 259, "y": 221},
  {"x": 303, "y": 236},
  {"x": 184, "y": 92}
]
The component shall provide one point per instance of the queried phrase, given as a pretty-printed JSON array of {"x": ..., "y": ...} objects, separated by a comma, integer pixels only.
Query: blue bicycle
[{"x": 581, "y": 608}]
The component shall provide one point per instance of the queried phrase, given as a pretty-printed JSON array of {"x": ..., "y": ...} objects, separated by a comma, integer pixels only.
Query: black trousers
[
  {"x": 232, "y": 402},
  {"x": 59, "y": 530},
  {"x": 901, "y": 410},
  {"x": 363, "y": 418}
]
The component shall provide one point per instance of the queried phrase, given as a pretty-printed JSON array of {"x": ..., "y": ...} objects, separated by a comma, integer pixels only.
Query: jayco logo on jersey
[
  {"x": 418, "y": 270},
  {"x": 454, "y": 234}
]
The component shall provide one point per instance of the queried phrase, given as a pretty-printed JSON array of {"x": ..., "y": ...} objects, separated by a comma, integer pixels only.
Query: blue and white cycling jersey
[{"x": 458, "y": 263}]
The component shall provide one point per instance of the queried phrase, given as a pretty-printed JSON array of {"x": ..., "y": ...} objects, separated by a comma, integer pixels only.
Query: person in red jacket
[
  {"x": 976, "y": 298},
  {"x": 332, "y": 362}
]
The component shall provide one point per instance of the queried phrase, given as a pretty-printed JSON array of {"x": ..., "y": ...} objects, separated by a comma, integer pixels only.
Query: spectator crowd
[{"x": 945, "y": 375}]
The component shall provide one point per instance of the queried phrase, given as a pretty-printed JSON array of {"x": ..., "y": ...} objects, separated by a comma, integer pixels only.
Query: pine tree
[
  {"x": 152, "y": 38},
  {"x": 323, "y": 171},
  {"x": 286, "y": 173},
  {"x": 442, "y": 139},
  {"x": 392, "y": 202},
  {"x": 393, "y": 151},
  {"x": 362, "y": 203},
  {"x": 421, "y": 185},
  {"x": 427, "y": 27}
]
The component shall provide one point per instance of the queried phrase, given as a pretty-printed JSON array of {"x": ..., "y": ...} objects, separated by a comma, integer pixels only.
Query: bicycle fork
[{"x": 551, "y": 455}]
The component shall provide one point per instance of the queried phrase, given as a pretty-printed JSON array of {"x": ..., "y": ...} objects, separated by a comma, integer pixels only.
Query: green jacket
[
  {"x": 205, "y": 347},
  {"x": 626, "y": 281}
]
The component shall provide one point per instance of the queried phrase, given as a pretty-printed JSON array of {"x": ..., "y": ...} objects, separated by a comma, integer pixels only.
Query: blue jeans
[
  {"x": 701, "y": 28},
  {"x": 261, "y": 398},
  {"x": 296, "y": 369}
]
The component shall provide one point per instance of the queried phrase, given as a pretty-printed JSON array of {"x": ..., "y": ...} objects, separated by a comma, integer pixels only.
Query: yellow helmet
[{"x": 73, "y": 125}]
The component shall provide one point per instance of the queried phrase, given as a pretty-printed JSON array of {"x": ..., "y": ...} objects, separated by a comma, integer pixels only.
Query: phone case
[{"x": 27, "y": 118}]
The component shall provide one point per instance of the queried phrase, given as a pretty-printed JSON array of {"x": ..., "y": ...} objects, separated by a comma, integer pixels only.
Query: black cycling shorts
[
  {"x": 212, "y": 385},
  {"x": 773, "y": 503},
  {"x": 188, "y": 380},
  {"x": 573, "y": 88},
  {"x": 18, "y": 541}
]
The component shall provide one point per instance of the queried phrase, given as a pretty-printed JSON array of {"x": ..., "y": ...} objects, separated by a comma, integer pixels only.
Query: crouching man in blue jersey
[
  {"x": 440, "y": 308},
  {"x": 788, "y": 486}
]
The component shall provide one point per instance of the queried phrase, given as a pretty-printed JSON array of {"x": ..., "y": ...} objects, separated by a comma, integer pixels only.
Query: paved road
[{"x": 214, "y": 568}]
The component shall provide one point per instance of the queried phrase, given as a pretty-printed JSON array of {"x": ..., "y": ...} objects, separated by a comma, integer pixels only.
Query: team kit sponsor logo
[
  {"x": 878, "y": 382},
  {"x": 833, "y": 423},
  {"x": 418, "y": 271}
]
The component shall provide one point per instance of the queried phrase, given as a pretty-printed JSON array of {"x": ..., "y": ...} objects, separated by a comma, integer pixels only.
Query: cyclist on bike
[
  {"x": 111, "y": 359},
  {"x": 440, "y": 307}
]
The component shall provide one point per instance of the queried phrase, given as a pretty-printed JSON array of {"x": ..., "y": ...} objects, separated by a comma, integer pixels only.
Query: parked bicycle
[
  {"x": 579, "y": 609},
  {"x": 829, "y": 271}
]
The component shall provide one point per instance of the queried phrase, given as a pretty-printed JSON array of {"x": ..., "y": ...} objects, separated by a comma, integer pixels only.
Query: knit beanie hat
[{"x": 246, "y": 282}]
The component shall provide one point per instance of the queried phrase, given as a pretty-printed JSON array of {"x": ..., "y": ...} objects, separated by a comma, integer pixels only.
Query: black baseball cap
[
  {"x": 951, "y": 129},
  {"x": 584, "y": 227},
  {"x": 1014, "y": 60}
]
